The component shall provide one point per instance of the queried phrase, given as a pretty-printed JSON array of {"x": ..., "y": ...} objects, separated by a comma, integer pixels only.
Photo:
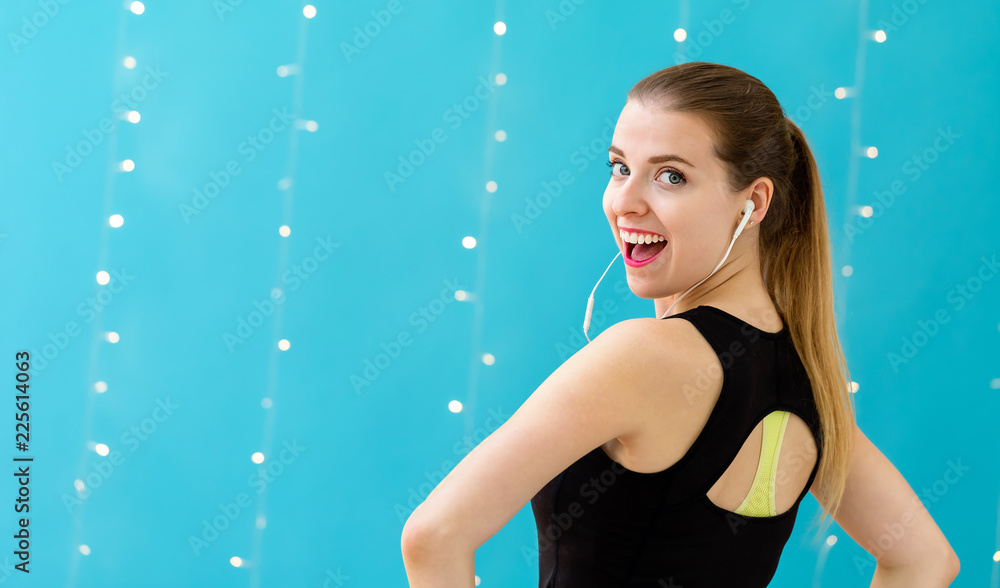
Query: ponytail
[{"x": 799, "y": 277}]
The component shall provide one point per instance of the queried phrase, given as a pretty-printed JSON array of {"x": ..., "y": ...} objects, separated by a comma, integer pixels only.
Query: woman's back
[{"x": 716, "y": 514}]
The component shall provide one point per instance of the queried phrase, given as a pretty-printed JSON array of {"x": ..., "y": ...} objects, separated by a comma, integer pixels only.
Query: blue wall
[{"x": 202, "y": 287}]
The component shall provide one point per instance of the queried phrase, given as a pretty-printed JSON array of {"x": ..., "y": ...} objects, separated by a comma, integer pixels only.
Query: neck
[{"x": 737, "y": 282}]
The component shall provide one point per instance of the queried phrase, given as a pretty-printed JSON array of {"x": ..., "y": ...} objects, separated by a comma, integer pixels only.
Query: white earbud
[{"x": 747, "y": 209}]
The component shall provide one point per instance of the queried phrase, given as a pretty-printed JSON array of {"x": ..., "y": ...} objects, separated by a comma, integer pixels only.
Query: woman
[{"x": 674, "y": 451}]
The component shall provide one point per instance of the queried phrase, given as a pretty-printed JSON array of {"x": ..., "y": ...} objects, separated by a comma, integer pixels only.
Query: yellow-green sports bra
[{"x": 760, "y": 500}]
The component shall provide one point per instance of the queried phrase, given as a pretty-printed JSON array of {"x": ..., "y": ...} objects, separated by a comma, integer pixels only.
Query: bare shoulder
[
  {"x": 679, "y": 382},
  {"x": 674, "y": 344},
  {"x": 665, "y": 357},
  {"x": 678, "y": 356},
  {"x": 657, "y": 359}
]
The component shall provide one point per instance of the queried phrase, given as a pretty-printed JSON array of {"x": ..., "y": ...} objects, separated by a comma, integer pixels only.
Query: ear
[{"x": 760, "y": 191}]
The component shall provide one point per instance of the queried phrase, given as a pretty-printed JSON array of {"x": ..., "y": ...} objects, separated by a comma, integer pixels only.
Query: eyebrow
[{"x": 656, "y": 158}]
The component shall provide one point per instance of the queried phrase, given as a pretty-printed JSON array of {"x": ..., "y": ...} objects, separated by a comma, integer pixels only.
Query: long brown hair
[{"x": 754, "y": 139}]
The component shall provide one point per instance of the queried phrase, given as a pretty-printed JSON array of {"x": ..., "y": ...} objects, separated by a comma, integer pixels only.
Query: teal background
[{"x": 192, "y": 292}]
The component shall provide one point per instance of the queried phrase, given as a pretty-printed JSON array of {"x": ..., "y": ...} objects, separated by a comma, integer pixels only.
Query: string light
[
  {"x": 479, "y": 243},
  {"x": 102, "y": 277},
  {"x": 285, "y": 185},
  {"x": 871, "y": 152}
]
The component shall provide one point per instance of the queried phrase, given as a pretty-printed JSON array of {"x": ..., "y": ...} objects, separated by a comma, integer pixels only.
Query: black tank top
[{"x": 601, "y": 525}]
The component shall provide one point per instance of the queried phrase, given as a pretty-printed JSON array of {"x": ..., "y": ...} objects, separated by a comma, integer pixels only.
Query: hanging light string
[
  {"x": 89, "y": 447},
  {"x": 268, "y": 402},
  {"x": 477, "y": 357}
]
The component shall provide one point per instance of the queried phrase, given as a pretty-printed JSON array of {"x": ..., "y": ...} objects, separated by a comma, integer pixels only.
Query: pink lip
[{"x": 631, "y": 262}]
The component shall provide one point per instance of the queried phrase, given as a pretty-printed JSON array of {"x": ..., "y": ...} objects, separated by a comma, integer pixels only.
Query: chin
[{"x": 644, "y": 288}]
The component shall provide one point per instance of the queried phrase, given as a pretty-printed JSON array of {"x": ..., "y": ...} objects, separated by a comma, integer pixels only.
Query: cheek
[{"x": 606, "y": 205}]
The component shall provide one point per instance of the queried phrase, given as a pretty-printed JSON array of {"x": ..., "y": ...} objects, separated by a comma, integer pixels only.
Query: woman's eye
[
  {"x": 676, "y": 174},
  {"x": 612, "y": 165}
]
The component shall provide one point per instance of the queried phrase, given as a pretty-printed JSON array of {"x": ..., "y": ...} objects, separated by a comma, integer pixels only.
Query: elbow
[
  {"x": 952, "y": 567},
  {"x": 420, "y": 539},
  {"x": 427, "y": 541},
  {"x": 932, "y": 569},
  {"x": 414, "y": 540},
  {"x": 944, "y": 572},
  {"x": 949, "y": 566}
]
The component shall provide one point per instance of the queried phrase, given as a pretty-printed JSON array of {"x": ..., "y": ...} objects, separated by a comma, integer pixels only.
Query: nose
[{"x": 627, "y": 198}]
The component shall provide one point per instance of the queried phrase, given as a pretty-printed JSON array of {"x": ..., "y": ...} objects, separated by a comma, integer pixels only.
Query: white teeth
[{"x": 639, "y": 237}]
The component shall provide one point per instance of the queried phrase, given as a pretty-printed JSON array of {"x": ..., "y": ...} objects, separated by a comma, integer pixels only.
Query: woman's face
[{"x": 665, "y": 180}]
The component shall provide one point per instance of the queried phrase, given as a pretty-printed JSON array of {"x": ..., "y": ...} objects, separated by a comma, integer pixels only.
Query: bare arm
[
  {"x": 595, "y": 396},
  {"x": 883, "y": 515}
]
